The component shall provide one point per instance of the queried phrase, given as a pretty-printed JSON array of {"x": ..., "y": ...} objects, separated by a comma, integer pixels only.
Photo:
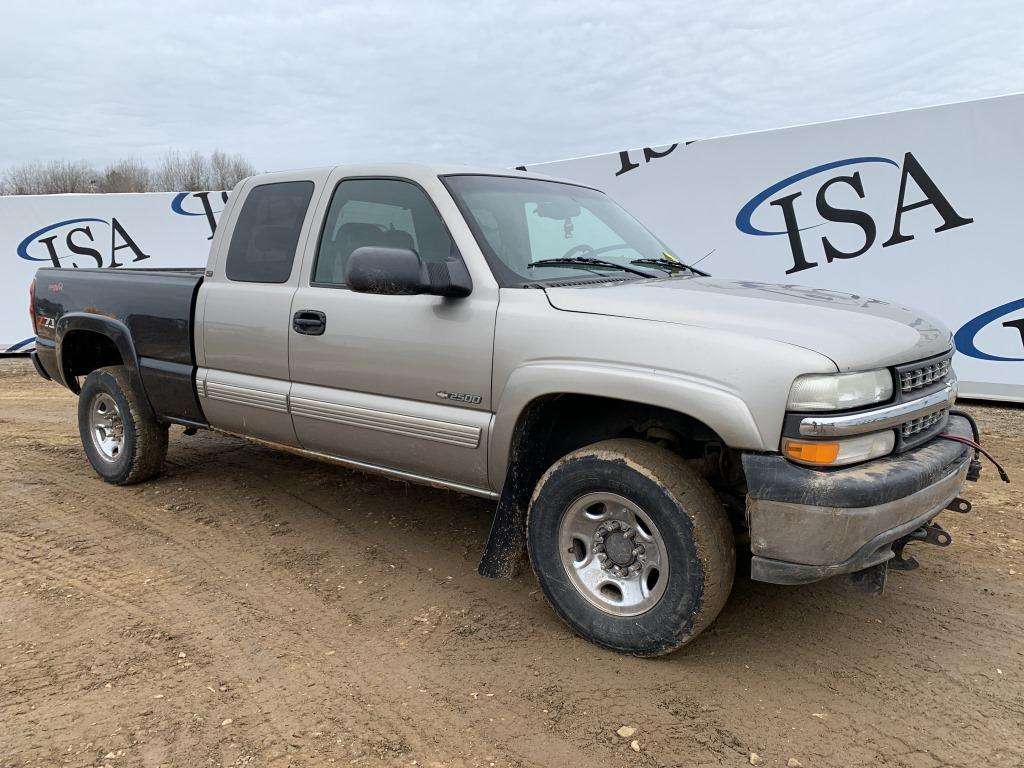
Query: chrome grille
[
  {"x": 913, "y": 379},
  {"x": 923, "y": 423}
]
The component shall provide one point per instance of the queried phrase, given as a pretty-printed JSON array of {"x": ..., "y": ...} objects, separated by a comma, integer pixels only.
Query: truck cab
[{"x": 526, "y": 340}]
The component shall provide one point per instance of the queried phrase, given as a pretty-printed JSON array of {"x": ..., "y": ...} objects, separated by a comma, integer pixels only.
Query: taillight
[{"x": 32, "y": 304}]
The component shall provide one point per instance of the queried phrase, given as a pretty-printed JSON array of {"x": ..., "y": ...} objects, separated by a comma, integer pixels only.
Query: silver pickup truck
[{"x": 526, "y": 340}]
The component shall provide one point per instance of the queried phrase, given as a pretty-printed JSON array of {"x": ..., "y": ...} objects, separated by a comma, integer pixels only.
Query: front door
[{"x": 401, "y": 382}]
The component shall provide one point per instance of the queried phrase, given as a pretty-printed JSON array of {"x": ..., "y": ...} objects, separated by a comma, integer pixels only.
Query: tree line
[{"x": 176, "y": 172}]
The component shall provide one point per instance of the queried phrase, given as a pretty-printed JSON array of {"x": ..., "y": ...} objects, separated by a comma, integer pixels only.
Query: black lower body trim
[
  {"x": 773, "y": 477},
  {"x": 39, "y": 366}
]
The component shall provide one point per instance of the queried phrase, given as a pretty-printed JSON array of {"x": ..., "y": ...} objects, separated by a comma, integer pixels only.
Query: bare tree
[
  {"x": 53, "y": 178},
  {"x": 184, "y": 172},
  {"x": 22, "y": 180},
  {"x": 67, "y": 177},
  {"x": 177, "y": 172},
  {"x": 228, "y": 170},
  {"x": 129, "y": 175}
]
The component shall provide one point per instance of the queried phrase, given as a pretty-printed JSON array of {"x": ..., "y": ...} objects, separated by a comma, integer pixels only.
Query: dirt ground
[{"x": 251, "y": 608}]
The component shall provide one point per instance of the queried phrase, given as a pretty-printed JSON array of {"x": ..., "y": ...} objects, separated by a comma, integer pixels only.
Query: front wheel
[
  {"x": 631, "y": 547},
  {"x": 122, "y": 438}
]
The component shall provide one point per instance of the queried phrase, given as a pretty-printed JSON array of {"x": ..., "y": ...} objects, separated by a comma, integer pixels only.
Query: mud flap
[
  {"x": 505, "y": 550},
  {"x": 870, "y": 581},
  {"x": 503, "y": 554}
]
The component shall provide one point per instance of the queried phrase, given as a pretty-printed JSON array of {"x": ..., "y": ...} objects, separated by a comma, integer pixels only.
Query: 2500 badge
[{"x": 459, "y": 397}]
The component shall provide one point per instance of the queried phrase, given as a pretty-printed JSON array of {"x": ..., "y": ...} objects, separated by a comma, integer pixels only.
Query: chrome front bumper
[{"x": 809, "y": 524}]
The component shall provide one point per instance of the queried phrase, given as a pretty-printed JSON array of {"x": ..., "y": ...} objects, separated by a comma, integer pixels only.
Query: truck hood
[{"x": 856, "y": 332}]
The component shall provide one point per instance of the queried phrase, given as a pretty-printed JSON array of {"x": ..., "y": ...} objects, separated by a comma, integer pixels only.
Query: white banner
[
  {"x": 918, "y": 208},
  {"x": 131, "y": 230}
]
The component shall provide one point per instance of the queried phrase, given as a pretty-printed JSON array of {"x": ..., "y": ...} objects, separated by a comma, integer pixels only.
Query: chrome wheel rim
[
  {"x": 106, "y": 427},
  {"x": 613, "y": 554}
]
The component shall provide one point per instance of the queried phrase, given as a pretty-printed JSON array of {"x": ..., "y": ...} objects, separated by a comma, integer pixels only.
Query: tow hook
[
  {"x": 959, "y": 505},
  {"x": 929, "y": 533}
]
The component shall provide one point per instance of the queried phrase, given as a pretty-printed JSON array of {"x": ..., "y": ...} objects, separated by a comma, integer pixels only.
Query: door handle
[{"x": 310, "y": 322}]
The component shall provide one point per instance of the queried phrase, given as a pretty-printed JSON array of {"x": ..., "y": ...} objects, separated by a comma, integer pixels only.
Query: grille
[
  {"x": 923, "y": 423},
  {"x": 918, "y": 378}
]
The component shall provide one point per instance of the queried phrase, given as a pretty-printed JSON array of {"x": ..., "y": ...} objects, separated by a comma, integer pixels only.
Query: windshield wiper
[
  {"x": 584, "y": 262},
  {"x": 670, "y": 264}
]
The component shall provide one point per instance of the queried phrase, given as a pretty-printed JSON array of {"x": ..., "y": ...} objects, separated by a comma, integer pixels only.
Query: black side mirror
[{"x": 401, "y": 272}]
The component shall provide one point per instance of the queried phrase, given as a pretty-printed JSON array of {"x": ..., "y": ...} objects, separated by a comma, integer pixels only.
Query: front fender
[{"x": 721, "y": 410}]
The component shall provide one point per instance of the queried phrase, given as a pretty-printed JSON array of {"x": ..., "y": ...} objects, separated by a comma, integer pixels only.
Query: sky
[{"x": 295, "y": 84}]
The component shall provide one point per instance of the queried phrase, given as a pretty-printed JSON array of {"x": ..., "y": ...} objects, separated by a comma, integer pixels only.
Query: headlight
[
  {"x": 836, "y": 391},
  {"x": 834, "y": 453}
]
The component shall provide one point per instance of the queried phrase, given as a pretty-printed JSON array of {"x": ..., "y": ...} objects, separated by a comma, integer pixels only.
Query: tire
[
  {"x": 122, "y": 438},
  {"x": 676, "y": 526}
]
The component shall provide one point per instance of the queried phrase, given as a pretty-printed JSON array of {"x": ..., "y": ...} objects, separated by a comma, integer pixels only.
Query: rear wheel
[
  {"x": 631, "y": 547},
  {"x": 122, "y": 438}
]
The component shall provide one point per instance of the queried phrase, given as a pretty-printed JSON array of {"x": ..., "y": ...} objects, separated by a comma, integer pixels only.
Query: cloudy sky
[{"x": 491, "y": 82}]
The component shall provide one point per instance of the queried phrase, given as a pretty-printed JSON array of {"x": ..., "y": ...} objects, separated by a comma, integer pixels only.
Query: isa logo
[
  {"x": 842, "y": 191},
  {"x": 994, "y": 334},
  {"x": 84, "y": 242}
]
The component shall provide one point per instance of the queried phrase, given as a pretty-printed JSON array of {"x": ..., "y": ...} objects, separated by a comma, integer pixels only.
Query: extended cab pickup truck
[{"x": 524, "y": 339}]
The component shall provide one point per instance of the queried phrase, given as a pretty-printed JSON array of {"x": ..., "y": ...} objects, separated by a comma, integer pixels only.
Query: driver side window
[{"x": 389, "y": 213}]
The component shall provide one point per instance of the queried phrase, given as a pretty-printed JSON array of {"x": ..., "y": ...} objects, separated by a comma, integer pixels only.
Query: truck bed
[{"x": 153, "y": 308}]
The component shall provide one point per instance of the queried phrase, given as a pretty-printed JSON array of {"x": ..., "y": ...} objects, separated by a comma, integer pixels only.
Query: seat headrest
[{"x": 398, "y": 238}]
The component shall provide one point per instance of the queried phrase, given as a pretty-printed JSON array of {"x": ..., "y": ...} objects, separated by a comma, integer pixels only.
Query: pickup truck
[{"x": 524, "y": 339}]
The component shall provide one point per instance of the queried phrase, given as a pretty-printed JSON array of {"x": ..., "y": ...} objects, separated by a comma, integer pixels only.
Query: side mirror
[{"x": 401, "y": 272}]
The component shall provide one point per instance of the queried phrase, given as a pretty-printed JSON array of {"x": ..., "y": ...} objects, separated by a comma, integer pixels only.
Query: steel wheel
[
  {"x": 106, "y": 426},
  {"x": 123, "y": 441},
  {"x": 613, "y": 553}
]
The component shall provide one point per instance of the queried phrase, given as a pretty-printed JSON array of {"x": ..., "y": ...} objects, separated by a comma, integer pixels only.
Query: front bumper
[{"x": 809, "y": 524}]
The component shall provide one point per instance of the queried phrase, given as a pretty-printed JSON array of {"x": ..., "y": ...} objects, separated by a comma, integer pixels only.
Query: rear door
[
  {"x": 401, "y": 382},
  {"x": 244, "y": 311}
]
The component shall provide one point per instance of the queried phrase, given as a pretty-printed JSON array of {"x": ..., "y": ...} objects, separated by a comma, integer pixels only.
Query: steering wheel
[{"x": 581, "y": 249}]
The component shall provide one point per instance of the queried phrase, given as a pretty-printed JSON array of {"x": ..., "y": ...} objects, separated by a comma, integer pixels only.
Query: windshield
[{"x": 520, "y": 222}]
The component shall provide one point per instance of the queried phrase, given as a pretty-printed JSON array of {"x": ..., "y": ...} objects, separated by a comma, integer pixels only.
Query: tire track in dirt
[{"x": 148, "y": 520}]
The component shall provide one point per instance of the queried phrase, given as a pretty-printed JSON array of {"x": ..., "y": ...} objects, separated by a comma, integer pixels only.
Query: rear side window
[
  {"x": 267, "y": 231},
  {"x": 382, "y": 212}
]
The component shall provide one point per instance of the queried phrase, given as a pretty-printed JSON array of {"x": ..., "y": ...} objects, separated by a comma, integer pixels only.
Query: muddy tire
[
  {"x": 631, "y": 547},
  {"x": 122, "y": 438}
]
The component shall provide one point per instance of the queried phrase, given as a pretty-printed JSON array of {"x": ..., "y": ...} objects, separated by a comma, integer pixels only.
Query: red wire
[
  {"x": 975, "y": 446},
  {"x": 962, "y": 439}
]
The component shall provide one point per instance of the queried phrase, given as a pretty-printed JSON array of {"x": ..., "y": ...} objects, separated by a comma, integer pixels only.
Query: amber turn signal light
[{"x": 811, "y": 452}]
